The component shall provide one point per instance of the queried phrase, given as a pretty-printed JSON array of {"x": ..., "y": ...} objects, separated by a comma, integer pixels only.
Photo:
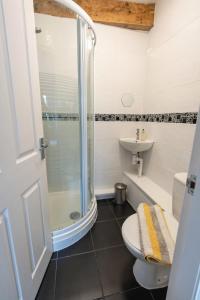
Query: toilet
[{"x": 148, "y": 274}]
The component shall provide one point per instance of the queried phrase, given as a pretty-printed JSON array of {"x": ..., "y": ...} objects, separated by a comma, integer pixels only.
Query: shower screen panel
[
  {"x": 65, "y": 53},
  {"x": 58, "y": 63},
  {"x": 90, "y": 113}
]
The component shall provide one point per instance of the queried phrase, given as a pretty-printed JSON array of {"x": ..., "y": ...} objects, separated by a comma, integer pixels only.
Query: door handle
[{"x": 43, "y": 145}]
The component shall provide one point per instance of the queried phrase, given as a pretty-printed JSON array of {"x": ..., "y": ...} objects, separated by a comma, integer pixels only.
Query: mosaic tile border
[
  {"x": 60, "y": 116},
  {"x": 188, "y": 118},
  {"x": 64, "y": 116}
]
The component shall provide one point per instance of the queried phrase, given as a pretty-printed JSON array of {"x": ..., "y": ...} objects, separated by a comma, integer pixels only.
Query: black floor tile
[
  {"x": 77, "y": 278},
  {"x": 106, "y": 234},
  {"x": 159, "y": 294},
  {"x": 135, "y": 294},
  {"x": 54, "y": 255},
  {"x": 84, "y": 245},
  {"x": 81, "y": 271},
  {"x": 116, "y": 270},
  {"x": 124, "y": 210},
  {"x": 104, "y": 211},
  {"x": 47, "y": 288},
  {"x": 121, "y": 221},
  {"x": 104, "y": 201}
]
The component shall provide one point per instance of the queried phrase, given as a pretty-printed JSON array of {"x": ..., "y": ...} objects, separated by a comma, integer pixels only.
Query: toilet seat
[{"x": 130, "y": 233}]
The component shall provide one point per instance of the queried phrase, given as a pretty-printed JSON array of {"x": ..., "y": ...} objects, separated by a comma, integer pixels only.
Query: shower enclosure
[{"x": 66, "y": 54}]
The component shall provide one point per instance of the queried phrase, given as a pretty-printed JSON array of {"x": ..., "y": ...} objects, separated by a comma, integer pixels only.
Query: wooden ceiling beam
[{"x": 111, "y": 12}]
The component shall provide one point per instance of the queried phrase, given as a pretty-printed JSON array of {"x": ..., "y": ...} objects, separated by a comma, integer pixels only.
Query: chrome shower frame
[{"x": 69, "y": 235}]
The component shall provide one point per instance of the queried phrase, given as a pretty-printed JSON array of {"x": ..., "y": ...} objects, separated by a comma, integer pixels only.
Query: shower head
[{"x": 38, "y": 30}]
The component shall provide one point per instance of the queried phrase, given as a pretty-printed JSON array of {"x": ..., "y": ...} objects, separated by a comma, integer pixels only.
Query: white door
[
  {"x": 25, "y": 242},
  {"x": 185, "y": 275}
]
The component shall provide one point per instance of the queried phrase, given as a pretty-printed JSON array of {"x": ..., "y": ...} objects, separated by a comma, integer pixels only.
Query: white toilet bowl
[{"x": 148, "y": 275}]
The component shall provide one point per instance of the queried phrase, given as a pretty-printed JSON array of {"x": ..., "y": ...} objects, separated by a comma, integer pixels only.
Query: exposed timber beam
[{"x": 111, "y": 12}]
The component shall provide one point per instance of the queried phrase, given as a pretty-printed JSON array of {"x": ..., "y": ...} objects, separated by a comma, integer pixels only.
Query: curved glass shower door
[
  {"x": 86, "y": 74},
  {"x": 65, "y": 53},
  {"x": 90, "y": 112}
]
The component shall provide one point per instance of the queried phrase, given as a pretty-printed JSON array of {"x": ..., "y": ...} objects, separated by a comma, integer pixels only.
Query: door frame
[{"x": 184, "y": 281}]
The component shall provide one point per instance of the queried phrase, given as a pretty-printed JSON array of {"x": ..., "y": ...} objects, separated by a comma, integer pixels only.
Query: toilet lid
[{"x": 130, "y": 230}]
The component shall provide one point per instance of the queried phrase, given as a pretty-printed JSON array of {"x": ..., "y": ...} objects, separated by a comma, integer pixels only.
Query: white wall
[
  {"x": 110, "y": 158},
  {"x": 120, "y": 67},
  {"x": 57, "y": 44},
  {"x": 170, "y": 153},
  {"x": 173, "y": 58},
  {"x": 161, "y": 69},
  {"x": 173, "y": 85}
]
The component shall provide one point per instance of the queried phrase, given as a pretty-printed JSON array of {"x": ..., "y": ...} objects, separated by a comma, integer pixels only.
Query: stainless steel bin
[{"x": 120, "y": 193}]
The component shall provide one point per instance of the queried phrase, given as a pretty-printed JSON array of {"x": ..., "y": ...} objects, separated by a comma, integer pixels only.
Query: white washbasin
[{"x": 134, "y": 146}]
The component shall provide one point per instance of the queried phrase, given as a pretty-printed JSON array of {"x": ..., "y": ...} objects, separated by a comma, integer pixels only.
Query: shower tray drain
[{"x": 75, "y": 215}]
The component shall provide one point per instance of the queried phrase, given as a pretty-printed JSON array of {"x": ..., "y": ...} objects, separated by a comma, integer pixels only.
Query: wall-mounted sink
[{"x": 134, "y": 146}]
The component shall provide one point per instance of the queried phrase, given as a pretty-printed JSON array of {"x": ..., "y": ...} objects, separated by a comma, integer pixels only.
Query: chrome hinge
[{"x": 191, "y": 184}]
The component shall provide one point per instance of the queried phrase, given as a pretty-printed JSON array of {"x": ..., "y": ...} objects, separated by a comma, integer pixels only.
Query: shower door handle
[{"x": 43, "y": 146}]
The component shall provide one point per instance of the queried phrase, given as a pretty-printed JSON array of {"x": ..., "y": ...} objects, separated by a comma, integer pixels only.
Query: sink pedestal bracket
[{"x": 137, "y": 160}]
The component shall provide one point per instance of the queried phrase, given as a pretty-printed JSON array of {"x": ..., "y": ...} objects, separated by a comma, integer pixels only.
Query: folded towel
[{"x": 156, "y": 242}]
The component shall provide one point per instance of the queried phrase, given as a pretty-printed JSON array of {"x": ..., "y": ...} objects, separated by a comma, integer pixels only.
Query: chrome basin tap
[{"x": 137, "y": 134}]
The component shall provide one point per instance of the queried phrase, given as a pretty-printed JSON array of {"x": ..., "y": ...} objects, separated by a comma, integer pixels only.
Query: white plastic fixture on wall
[{"x": 127, "y": 100}]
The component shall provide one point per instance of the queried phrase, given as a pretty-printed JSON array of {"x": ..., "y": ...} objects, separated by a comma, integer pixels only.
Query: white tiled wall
[
  {"x": 172, "y": 17},
  {"x": 173, "y": 72},
  {"x": 120, "y": 67},
  {"x": 59, "y": 93},
  {"x": 57, "y": 45},
  {"x": 172, "y": 84},
  {"x": 170, "y": 153},
  {"x": 110, "y": 158}
]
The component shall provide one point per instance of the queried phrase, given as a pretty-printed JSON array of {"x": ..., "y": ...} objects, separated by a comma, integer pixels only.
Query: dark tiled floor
[
  {"x": 116, "y": 270},
  {"x": 84, "y": 245},
  {"x": 133, "y": 294},
  {"x": 121, "y": 221},
  {"x": 104, "y": 211},
  {"x": 47, "y": 289},
  {"x": 106, "y": 234},
  {"x": 98, "y": 266},
  {"x": 122, "y": 211},
  {"x": 78, "y": 278},
  {"x": 159, "y": 294}
]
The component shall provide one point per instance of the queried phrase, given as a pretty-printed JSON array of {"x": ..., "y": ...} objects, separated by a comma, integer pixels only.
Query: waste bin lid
[{"x": 120, "y": 186}]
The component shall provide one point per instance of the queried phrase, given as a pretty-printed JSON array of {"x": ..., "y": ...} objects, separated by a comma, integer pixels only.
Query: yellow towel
[{"x": 156, "y": 242}]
